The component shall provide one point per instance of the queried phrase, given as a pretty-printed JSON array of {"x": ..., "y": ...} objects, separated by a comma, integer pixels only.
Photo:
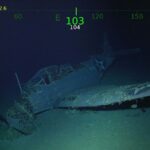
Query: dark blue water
[{"x": 37, "y": 40}]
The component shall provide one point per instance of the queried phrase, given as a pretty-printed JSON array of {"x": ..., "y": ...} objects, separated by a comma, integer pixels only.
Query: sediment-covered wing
[{"x": 105, "y": 95}]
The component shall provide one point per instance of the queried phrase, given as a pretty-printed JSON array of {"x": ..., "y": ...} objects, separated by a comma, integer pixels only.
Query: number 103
[{"x": 75, "y": 20}]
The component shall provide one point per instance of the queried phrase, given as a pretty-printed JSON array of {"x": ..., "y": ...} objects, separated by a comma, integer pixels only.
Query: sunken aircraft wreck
[{"x": 72, "y": 86}]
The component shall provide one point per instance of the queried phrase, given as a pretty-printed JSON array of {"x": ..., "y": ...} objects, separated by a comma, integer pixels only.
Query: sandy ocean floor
[
  {"x": 91, "y": 130},
  {"x": 88, "y": 130}
]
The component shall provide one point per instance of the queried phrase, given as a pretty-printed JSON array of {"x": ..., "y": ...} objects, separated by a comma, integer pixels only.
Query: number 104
[{"x": 75, "y": 22}]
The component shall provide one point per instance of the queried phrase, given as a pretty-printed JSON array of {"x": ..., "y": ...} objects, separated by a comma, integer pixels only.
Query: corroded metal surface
[{"x": 105, "y": 95}]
